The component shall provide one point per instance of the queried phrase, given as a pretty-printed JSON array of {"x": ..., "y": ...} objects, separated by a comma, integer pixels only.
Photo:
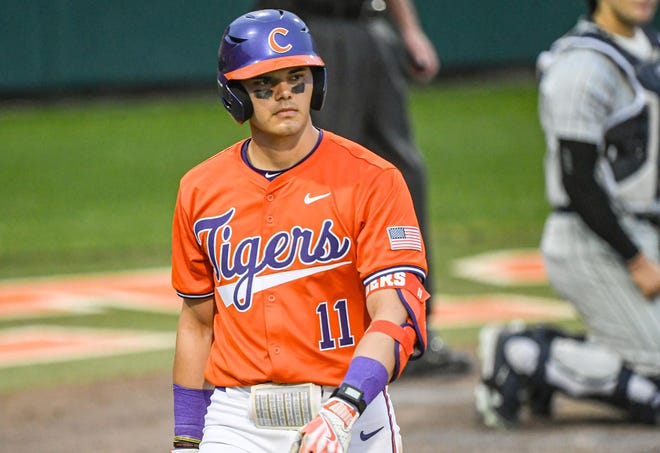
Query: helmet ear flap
[
  {"x": 319, "y": 87},
  {"x": 235, "y": 100}
]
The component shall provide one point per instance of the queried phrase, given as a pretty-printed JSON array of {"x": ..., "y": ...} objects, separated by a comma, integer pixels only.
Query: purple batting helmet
[{"x": 260, "y": 42}]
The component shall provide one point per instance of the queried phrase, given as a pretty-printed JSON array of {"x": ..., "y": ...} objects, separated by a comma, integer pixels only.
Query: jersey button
[
  {"x": 270, "y": 197},
  {"x": 276, "y": 349},
  {"x": 269, "y": 219},
  {"x": 271, "y": 298}
]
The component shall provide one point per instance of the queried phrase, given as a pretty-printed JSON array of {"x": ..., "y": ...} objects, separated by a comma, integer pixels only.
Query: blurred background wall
[{"x": 71, "y": 45}]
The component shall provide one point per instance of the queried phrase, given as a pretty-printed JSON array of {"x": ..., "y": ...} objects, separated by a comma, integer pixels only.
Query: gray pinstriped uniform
[{"x": 586, "y": 88}]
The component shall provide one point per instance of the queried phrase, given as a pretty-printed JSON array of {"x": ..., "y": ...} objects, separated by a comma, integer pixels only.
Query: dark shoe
[
  {"x": 498, "y": 395},
  {"x": 540, "y": 401},
  {"x": 439, "y": 359}
]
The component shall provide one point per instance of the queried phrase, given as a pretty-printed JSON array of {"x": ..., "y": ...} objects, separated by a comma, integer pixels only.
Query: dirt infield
[{"x": 435, "y": 413}]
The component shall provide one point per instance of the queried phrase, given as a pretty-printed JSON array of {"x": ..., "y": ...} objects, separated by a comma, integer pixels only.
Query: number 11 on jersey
[{"x": 326, "y": 320}]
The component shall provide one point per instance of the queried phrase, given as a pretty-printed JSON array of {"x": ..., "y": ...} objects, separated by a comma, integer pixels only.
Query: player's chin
[
  {"x": 287, "y": 124},
  {"x": 644, "y": 12}
]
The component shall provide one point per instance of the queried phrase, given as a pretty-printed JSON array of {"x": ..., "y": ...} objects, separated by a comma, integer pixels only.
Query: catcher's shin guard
[
  {"x": 498, "y": 395},
  {"x": 540, "y": 393}
]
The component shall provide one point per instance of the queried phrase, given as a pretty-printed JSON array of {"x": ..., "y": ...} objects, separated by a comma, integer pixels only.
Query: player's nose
[{"x": 283, "y": 90}]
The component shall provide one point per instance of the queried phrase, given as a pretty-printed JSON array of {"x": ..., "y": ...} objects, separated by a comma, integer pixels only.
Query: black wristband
[{"x": 351, "y": 395}]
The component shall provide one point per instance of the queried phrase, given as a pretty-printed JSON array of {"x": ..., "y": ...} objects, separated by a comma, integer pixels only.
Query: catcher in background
[
  {"x": 300, "y": 263},
  {"x": 599, "y": 107}
]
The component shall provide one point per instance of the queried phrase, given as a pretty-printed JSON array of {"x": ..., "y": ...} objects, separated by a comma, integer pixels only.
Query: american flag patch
[{"x": 404, "y": 238}]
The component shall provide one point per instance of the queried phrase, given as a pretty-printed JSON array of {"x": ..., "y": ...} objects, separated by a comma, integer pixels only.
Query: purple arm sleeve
[
  {"x": 367, "y": 375},
  {"x": 189, "y": 411}
]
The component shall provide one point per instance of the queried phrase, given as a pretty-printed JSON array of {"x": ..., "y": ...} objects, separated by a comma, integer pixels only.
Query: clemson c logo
[{"x": 274, "y": 45}]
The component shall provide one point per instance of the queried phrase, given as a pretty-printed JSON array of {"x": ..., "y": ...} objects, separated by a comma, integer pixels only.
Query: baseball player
[
  {"x": 599, "y": 106},
  {"x": 300, "y": 262}
]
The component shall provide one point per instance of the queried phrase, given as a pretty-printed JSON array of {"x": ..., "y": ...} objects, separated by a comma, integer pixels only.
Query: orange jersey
[{"x": 287, "y": 260}]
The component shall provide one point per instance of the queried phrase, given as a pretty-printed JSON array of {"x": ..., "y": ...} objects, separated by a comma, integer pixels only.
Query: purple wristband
[
  {"x": 189, "y": 411},
  {"x": 367, "y": 375}
]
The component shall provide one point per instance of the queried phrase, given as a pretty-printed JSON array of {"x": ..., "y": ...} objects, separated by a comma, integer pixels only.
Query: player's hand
[
  {"x": 329, "y": 431},
  {"x": 424, "y": 60},
  {"x": 646, "y": 275}
]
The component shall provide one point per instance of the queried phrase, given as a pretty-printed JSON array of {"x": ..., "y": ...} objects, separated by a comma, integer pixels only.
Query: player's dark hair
[{"x": 592, "y": 4}]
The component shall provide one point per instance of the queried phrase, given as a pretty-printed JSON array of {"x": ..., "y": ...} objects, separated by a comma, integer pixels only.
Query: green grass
[
  {"x": 84, "y": 371},
  {"x": 484, "y": 149},
  {"x": 91, "y": 186},
  {"x": 108, "y": 319}
]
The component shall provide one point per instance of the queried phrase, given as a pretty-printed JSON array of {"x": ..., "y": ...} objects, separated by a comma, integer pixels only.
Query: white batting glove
[{"x": 329, "y": 431}]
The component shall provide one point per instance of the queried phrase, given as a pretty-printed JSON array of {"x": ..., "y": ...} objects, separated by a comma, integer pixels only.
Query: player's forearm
[
  {"x": 190, "y": 359},
  {"x": 423, "y": 57},
  {"x": 377, "y": 346},
  {"x": 382, "y": 305},
  {"x": 404, "y": 14},
  {"x": 374, "y": 360},
  {"x": 193, "y": 345},
  {"x": 588, "y": 198},
  {"x": 191, "y": 393}
]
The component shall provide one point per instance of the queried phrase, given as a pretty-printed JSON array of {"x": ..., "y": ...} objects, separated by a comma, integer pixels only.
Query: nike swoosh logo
[
  {"x": 332, "y": 437},
  {"x": 272, "y": 175},
  {"x": 366, "y": 436},
  {"x": 263, "y": 282},
  {"x": 309, "y": 199}
]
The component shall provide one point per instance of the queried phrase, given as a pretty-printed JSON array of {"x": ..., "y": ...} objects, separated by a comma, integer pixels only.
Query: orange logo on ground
[
  {"x": 523, "y": 267},
  {"x": 474, "y": 310}
]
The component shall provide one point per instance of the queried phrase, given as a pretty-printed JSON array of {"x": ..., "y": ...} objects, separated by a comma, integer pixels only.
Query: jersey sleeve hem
[
  {"x": 195, "y": 296},
  {"x": 390, "y": 270}
]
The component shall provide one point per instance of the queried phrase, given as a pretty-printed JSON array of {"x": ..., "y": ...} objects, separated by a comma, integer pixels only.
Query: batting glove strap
[{"x": 329, "y": 431}]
